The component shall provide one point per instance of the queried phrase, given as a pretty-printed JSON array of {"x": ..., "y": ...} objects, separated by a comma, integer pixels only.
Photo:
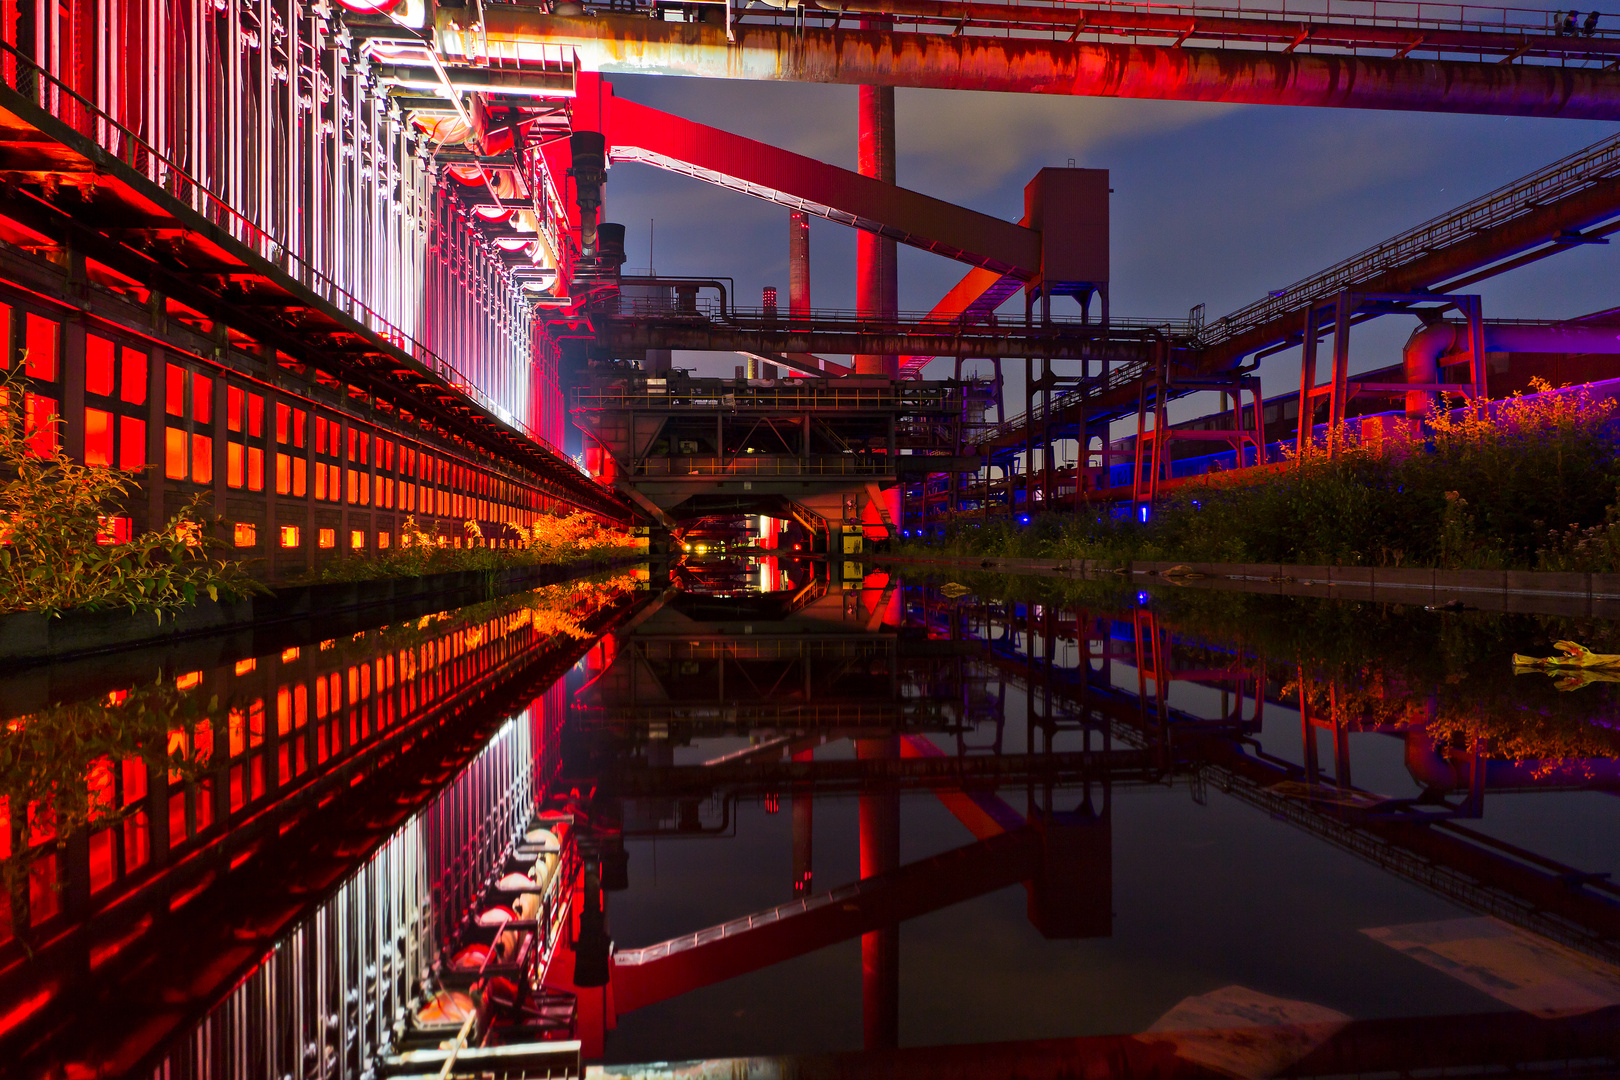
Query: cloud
[{"x": 976, "y": 141}]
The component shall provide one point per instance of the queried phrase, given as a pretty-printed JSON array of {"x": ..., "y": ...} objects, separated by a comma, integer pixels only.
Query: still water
[{"x": 1057, "y": 828}]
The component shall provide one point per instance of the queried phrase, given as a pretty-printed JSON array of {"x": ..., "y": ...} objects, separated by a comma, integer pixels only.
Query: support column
[
  {"x": 880, "y": 950},
  {"x": 798, "y": 264},
  {"x": 877, "y": 289}
]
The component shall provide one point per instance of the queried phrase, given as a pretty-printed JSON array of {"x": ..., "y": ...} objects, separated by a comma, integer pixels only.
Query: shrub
[
  {"x": 55, "y": 544},
  {"x": 1477, "y": 491}
]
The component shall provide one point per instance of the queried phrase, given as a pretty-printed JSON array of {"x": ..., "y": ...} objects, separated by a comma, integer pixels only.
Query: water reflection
[
  {"x": 869, "y": 826},
  {"x": 870, "y": 814},
  {"x": 161, "y": 837}
]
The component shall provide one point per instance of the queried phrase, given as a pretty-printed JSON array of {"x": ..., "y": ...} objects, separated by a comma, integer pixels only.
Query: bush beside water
[{"x": 1531, "y": 486}]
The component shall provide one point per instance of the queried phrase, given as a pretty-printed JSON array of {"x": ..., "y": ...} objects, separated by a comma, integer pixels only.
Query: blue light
[
  {"x": 1141, "y": 598},
  {"x": 1023, "y": 519},
  {"x": 1144, "y": 515}
]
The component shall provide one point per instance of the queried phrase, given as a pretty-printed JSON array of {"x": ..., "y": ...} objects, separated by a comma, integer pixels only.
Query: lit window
[
  {"x": 118, "y": 529},
  {"x": 188, "y": 680},
  {"x": 328, "y": 538},
  {"x": 247, "y": 535},
  {"x": 39, "y": 424},
  {"x": 98, "y": 437},
  {"x": 245, "y": 666},
  {"x": 382, "y": 540},
  {"x": 289, "y": 536},
  {"x": 131, "y": 443},
  {"x": 202, "y": 398},
  {"x": 357, "y": 538},
  {"x": 234, "y": 397},
  {"x": 132, "y": 380},
  {"x": 202, "y": 459},
  {"x": 174, "y": 453},
  {"x": 174, "y": 393},
  {"x": 40, "y": 348},
  {"x": 233, "y": 464},
  {"x": 289, "y": 655},
  {"x": 98, "y": 365}
]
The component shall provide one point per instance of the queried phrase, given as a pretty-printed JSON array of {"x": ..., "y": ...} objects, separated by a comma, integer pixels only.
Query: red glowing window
[
  {"x": 5, "y": 362},
  {"x": 328, "y": 538},
  {"x": 289, "y": 536},
  {"x": 202, "y": 398},
  {"x": 205, "y": 804},
  {"x": 202, "y": 459},
  {"x": 39, "y": 424},
  {"x": 235, "y": 397},
  {"x": 98, "y": 365},
  {"x": 132, "y": 379},
  {"x": 118, "y": 529},
  {"x": 354, "y": 486},
  {"x": 177, "y": 819},
  {"x": 299, "y": 466},
  {"x": 137, "y": 842},
  {"x": 283, "y": 423},
  {"x": 298, "y": 427},
  {"x": 103, "y": 859},
  {"x": 40, "y": 348},
  {"x": 131, "y": 443},
  {"x": 233, "y": 464},
  {"x": 98, "y": 437},
  {"x": 255, "y": 416},
  {"x": 283, "y": 474},
  {"x": 245, "y": 535},
  {"x": 174, "y": 390},
  {"x": 174, "y": 454},
  {"x": 255, "y": 469},
  {"x": 44, "y": 900}
]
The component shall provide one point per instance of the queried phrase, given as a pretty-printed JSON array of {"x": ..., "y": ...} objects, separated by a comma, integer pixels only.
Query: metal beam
[
  {"x": 637, "y": 45},
  {"x": 632, "y": 335},
  {"x": 637, "y": 133}
]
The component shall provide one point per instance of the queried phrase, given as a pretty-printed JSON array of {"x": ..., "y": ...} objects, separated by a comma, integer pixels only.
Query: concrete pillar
[
  {"x": 877, "y": 289},
  {"x": 880, "y": 950}
]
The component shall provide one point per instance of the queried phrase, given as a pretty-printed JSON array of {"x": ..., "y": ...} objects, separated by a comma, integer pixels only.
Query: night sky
[{"x": 1213, "y": 204}]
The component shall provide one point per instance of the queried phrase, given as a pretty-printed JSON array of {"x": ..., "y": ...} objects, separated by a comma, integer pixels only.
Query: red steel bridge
[{"x": 326, "y": 263}]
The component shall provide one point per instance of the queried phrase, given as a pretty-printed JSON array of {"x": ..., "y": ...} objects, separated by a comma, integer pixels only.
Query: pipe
[
  {"x": 487, "y": 80},
  {"x": 1421, "y": 360},
  {"x": 638, "y": 45},
  {"x": 1421, "y": 356}
]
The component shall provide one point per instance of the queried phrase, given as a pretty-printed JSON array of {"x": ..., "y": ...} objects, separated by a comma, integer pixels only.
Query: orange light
[
  {"x": 357, "y": 538},
  {"x": 328, "y": 538},
  {"x": 289, "y": 536},
  {"x": 246, "y": 535}
]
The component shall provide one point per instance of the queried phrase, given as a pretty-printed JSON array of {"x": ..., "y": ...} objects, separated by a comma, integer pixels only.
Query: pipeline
[
  {"x": 1427, "y": 346},
  {"x": 637, "y": 45}
]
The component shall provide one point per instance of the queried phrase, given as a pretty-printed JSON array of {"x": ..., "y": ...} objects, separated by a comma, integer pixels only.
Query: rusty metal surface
[{"x": 634, "y": 45}]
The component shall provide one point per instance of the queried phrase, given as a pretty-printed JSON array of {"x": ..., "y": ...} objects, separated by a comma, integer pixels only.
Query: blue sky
[{"x": 1213, "y": 204}]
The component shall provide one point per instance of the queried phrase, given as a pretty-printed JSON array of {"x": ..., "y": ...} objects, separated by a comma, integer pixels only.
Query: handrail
[{"x": 1561, "y": 178}]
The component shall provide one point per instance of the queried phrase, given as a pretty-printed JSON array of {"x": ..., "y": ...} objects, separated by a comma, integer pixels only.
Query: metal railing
[
  {"x": 759, "y": 465},
  {"x": 1558, "y": 180}
]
